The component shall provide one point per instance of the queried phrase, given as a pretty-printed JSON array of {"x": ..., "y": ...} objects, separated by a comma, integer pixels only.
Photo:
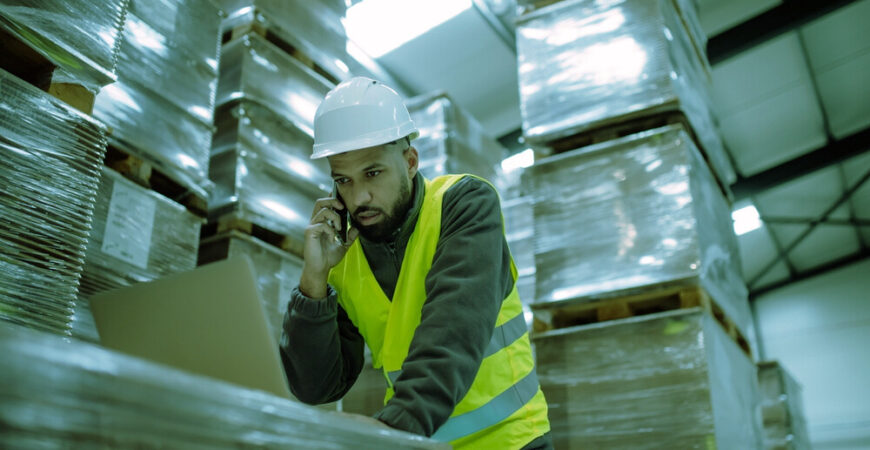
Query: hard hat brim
[{"x": 380, "y": 137}]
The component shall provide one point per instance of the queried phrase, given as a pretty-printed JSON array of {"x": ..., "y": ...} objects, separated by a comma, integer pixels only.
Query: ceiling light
[
  {"x": 746, "y": 219},
  {"x": 381, "y": 26}
]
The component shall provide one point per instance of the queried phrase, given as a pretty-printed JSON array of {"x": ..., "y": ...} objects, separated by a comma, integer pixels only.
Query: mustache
[{"x": 365, "y": 209}]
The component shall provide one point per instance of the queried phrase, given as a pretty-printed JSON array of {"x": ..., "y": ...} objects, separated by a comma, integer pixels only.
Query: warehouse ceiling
[{"x": 791, "y": 87}]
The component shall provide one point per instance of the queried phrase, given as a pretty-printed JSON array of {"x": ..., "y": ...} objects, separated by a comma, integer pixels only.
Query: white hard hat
[{"x": 360, "y": 113}]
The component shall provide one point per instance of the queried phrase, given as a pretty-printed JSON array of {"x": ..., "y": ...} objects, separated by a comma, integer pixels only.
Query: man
[{"x": 424, "y": 278}]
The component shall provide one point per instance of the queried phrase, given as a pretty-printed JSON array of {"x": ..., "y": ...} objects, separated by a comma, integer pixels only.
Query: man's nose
[{"x": 362, "y": 197}]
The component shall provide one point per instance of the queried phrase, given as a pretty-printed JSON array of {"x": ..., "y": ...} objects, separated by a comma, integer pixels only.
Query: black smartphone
[{"x": 342, "y": 228}]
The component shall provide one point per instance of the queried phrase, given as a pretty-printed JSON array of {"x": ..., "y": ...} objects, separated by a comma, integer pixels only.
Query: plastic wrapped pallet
[
  {"x": 586, "y": 64},
  {"x": 666, "y": 380},
  {"x": 262, "y": 171},
  {"x": 634, "y": 213},
  {"x": 171, "y": 47},
  {"x": 278, "y": 272},
  {"x": 80, "y": 37},
  {"x": 55, "y": 394},
  {"x": 50, "y": 157},
  {"x": 451, "y": 140},
  {"x": 782, "y": 410},
  {"x": 314, "y": 28},
  {"x": 155, "y": 130},
  {"x": 253, "y": 69},
  {"x": 138, "y": 235}
]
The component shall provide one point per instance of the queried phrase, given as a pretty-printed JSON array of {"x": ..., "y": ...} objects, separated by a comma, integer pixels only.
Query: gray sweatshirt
[{"x": 470, "y": 275}]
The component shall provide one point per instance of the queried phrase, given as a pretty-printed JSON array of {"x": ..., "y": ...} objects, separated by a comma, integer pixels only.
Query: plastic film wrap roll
[
  {"x": 50, "y": 157},
  {"x": 451, "y": 140},
  {"x": 148, "y": 126},
  {"x": 667, "y": 380},
  {"x": 171, "y": 47},
  {"x": 586, "y": 64},
  {"x": 782, "y": 408},
  {"x": 314, "y": 28},
  {"x": 59, "y": 394},
  {"x": 255, "y": 70},
  {"x": 277, "y": 271},
  {"x": 138, "y": 235},
  {"x": 262, "y": 171},
  {"x": 632, "y": 213},
  {"x": 80, "y": 37}
]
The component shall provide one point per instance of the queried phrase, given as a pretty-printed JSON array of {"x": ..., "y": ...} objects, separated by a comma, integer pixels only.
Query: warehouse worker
[{"x": 424, "y": 278}]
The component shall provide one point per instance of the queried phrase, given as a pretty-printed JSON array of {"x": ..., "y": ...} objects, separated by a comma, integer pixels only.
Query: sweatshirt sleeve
[
  {"x": 469, "y": 279},
  {"x": 321, "y": 349}
]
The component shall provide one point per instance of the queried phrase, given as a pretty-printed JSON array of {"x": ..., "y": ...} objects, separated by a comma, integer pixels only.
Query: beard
[{"x": 384, "y": 230}]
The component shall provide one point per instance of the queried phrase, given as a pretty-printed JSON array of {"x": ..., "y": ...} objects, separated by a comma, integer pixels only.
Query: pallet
[
  {"x": 275, "y": 39},
  {"x": 230, "y": 222},
  {"x": 666, "y": 298},
  {"x": 21, "y": 60},
  {"x": 146, "y": 175}
]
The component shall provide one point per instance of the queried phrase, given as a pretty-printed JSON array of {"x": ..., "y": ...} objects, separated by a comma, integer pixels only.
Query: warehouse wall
[{"x": 819, "y": 329}]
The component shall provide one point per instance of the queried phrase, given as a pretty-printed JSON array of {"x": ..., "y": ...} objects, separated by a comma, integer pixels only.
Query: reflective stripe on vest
[
  {"x": 499, "y": 408},
  {"x": 503, "y": 336}
]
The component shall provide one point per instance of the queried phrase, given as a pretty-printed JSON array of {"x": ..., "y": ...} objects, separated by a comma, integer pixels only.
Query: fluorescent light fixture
[
  {"x": 381, "y": 26},
  {"x": 521, "y": 160},
  {"x": 746, "y": 219}
]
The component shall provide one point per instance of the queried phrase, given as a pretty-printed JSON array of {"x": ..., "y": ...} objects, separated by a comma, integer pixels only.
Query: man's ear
[{"x": 412, "y": 159}]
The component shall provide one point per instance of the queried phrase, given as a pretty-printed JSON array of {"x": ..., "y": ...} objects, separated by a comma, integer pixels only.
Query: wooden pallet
[
  {"x": 274, "y": 38},
  {"x": 638, "y": 304},
  {"x": 146, "y": 175},
  {"x": 21, "y": 60},
  {"x": 230, "y": 222}
]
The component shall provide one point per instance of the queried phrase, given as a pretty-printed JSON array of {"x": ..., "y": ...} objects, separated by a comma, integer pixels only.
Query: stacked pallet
[
  {"x": 160, "y": 110},
  {"x": 451, "y": 140},
  {"x": 57, "y": 394},
  {"x": 55, "y": 58},
  {"x": 632, "y": 220},
  {"x": 782, "y": 409}
]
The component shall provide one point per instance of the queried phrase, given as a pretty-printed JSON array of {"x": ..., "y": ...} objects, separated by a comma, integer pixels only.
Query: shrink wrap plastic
[
  {"x": 57, "y": 394},
  {"x": 50, "y": 158},
  {"x": 171, "y": 47},
  {"x": 138, "y": 235},
  {"x": 451, "y": 141},
  {"x": 666, "y": 380},
  {"x": 315, "y": 28},
  {"x": 586, "y": 64},
  {"x": 262, "y": 171},
  {"x": 80, "y": 37},
  {"x": 253, "y": 69},
  {"x": 155, "y": 130},
  {"x": 633, "y": 213},
  {"x": 785, "y": 427}
]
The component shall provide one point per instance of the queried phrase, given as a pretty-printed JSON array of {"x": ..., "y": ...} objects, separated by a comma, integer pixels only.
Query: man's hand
[{"x": 323, "y": 249}]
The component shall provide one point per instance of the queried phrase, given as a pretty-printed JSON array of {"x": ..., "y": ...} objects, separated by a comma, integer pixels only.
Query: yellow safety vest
[{"x": 504, "y": 408}]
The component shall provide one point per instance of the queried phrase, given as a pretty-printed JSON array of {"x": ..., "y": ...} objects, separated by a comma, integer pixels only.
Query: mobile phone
[{"x": 343, "y": 215}]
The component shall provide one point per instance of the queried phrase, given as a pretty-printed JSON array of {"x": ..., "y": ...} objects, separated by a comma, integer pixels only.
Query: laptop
[{"x": 208, "y": 321}]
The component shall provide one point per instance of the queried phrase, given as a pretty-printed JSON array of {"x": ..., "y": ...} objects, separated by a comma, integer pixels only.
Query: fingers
[
  {"x": 328, "y": 202},
  {"x": 328, "y": 216},
  {"x": 352, "y": 234}
]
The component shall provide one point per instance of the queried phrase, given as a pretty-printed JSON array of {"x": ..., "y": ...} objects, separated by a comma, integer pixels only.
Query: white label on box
[
  {"x": 129, "y": 225},
  {"x": 287, "y": 283}
]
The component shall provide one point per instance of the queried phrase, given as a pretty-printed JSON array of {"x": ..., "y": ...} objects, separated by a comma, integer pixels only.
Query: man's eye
[
  {"x": 341, "y": 180},
  {"x": 373, "y": 173}
]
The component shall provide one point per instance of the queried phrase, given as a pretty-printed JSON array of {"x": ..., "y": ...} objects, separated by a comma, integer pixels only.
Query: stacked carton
[
  {"x": 160, "y": 110},
  {"x": 50, "y": 156},
  {"x": 138, "y": 235},
  {"x": 50, "y": 150},
  {"x": 630, "y": 219}
]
